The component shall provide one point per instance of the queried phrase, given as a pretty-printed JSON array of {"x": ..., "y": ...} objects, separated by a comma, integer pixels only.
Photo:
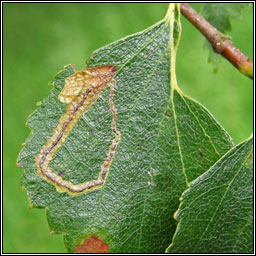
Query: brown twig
[{"x": 220, "y": 43}]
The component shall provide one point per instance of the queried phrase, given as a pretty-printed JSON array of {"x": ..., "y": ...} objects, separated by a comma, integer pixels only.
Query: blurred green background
[{"x": 39, "y": 39}]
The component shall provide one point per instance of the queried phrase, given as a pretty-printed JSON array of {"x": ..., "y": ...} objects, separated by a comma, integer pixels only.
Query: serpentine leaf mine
[{"x": 80, "y": 92}]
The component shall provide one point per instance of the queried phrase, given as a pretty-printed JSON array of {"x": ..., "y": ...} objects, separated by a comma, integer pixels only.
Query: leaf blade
[
  {"x": 206, "y": 223},
  {"x": 145, "y": 180}
]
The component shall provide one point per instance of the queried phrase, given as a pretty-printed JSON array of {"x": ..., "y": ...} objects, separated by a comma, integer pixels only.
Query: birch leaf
[
  {"x": 109, "y": 157},
  {"x": 220, "y": 15},
  {"x": 216, "y": 212}
]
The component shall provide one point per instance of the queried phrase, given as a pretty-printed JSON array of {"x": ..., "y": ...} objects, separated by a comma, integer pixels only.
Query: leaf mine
[{"x": 81, "y": 91}]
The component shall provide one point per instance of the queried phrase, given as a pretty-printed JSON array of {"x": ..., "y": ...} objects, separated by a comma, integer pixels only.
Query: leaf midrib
[{"x": 100, "y": 196}]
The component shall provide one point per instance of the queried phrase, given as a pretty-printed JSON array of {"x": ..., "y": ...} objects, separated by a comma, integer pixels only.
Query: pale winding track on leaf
[{"x": 81, "y": 91}]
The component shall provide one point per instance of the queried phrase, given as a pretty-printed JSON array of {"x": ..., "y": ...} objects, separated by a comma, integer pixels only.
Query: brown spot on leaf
[
  {"x": 61, "y": 173},
  {"x": 16, "y": 164},
  {"x": 92, "y": 244},
  {"x": 251, "y": 157},
  {"x": 168, "y": 113},
  {"x": 148, "y": 52},
  {"x": 91, "y": 132}
]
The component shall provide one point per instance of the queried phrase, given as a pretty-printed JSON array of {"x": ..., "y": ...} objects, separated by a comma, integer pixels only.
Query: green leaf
[
  {"x": 216, "y": 212},
  {"x": 213, "y": 58},
  {"x": 167, "y": 140},
  {"x": 219, "y": 15}
]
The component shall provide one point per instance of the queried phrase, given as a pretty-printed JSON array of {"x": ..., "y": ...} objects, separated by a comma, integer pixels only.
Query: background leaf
[
  {"x": 220, "y": 15},
  {"x": 216, "y": 212},
  {"x": 167, "y": 140}
]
